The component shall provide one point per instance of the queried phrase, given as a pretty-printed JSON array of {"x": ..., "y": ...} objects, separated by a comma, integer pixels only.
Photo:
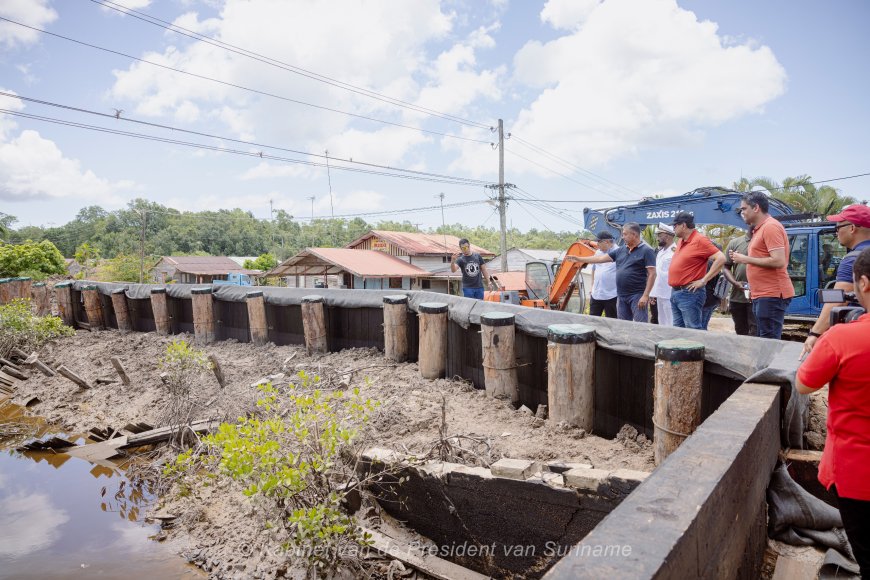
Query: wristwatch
[{"x": 814, "y": 333}]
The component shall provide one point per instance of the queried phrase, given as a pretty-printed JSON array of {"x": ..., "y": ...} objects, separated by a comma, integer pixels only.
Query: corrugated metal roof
[
  {"x": 511, "y": 280},
  {"x": 362, "y": 263},
  {"x": 416, "y": 244},
  {"x": 543, "y": 254},
  {"x": 204, "y": 265}
]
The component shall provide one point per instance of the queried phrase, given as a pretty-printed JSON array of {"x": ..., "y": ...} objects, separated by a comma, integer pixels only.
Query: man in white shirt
[
  {"x": 661, "y": 291},
  {"x": 604, "y": 281}
]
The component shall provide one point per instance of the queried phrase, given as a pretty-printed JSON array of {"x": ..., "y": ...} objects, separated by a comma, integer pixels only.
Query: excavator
[{"x": 552, "y": 286}]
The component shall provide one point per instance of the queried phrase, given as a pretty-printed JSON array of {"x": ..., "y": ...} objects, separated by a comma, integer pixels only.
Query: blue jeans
[
  {"x": 626, "y": 308},
  {"x": 769, "y": 316},
  {"x": 473, "y": 293},
  {"x": 688, "y": 308},
  {"x": 706, "y": 315}
]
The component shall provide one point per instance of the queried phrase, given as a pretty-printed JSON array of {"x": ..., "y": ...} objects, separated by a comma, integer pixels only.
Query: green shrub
[
  {"x": 37, "y": 260},
  {"x": 20, "y": 328},
  {"x": 297, "y": 461}
]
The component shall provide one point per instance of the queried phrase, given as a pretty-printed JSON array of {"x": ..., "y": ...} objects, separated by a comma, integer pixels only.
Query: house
[
  {"x": 195, "y": 269},
  {"x": 373, "y": 261},
  {"x": 347, "y": 268}
]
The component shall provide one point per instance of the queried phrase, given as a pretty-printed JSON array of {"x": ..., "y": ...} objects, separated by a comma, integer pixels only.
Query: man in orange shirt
[
  {"x": 688, "y": 274},
  {"x": 840, "y": 359},
  {"x": 770, "y": 286}
]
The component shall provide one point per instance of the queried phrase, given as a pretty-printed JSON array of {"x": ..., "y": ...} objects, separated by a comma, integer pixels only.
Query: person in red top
[
  {"x": 841, "y": 359},
  {"x": 688, "y": 273},
  {"x": 770, "y": 286}
]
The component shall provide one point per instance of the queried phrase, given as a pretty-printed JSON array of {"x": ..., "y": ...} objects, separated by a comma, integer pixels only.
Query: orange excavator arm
[{"x": 564, "y": 283}]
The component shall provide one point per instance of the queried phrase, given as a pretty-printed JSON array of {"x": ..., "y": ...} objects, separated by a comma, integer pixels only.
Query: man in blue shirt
[
  {"x": 853, "y": 232},
  {"x": 635, "y": 273}
]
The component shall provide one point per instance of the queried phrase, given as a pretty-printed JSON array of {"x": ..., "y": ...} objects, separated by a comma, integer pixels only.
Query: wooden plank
[
  {"x": 164, "y": 433},
  {"x": 119, "y": 368},
  {"x": 427, "y": 563},
  {"x": 65, "y": 372}
]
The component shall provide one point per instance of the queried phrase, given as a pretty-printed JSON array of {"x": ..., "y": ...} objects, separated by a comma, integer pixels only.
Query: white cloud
[
  {"x": 636, "y": 74},
  {"x": 32, "y": 167},
  {"x": 29, "y": 522},
  {"x": 35, "y": 13},
  {"x": 131, "y": 4},
  {"x": 567, "y": 14}
]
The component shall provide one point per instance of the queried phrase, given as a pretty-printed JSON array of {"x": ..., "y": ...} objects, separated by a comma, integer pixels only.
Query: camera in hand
[{"x": 840, "y": 314}]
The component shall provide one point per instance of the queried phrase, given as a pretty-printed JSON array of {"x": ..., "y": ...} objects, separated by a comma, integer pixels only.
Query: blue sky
[{"x": 625, "y": 97}]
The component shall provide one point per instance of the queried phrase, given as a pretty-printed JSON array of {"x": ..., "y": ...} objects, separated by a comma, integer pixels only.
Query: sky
[{"x": 603, "y": 102}]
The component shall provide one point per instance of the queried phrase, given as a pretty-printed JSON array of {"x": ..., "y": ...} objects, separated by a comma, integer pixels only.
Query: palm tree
[{"x": 800, "y": 193}]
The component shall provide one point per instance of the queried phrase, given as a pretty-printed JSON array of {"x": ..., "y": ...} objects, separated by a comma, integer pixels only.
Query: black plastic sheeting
[{"x": 625, "y": 350}]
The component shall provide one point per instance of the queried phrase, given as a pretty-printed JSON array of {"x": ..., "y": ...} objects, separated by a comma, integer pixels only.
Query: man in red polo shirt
[
  {"x": 688, "y": 274},
  {"x": 840, "y": 358},
  {"x": 770, "y": 286}
]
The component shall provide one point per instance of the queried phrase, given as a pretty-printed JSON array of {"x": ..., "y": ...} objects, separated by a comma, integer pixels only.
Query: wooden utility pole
[
  {"x": 502, "y": 207},
  {"x": 142, "y": 249}
]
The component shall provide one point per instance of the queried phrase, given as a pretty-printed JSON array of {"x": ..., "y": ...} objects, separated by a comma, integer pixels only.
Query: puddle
[{"x": 56, "y": 523}]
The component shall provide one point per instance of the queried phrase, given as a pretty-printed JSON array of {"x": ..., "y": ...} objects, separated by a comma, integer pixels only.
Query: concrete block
[
  {"x": 562, "y": 466},
  {"x": 586, "y": 479},
  {"x": 513, "y": 468},
  {"x": 381, "y": 455},
  {"x": 624, "y": 481},
  {"x": 553, "y": 479}
]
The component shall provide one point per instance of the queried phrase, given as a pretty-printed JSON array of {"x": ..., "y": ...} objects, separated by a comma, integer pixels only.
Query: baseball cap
[
  {"x": 684, "y": 217},
  {"x": 604, "y": 236},
  {"x": 664, "y": 228},
  {"x": 855, "y": 214}
]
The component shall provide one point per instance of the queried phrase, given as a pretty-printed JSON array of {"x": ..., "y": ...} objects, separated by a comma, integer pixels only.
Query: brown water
[{"x": 63, "y": 517}]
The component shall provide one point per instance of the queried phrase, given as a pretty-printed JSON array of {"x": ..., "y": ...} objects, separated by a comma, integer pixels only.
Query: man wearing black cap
[{"x": 603, "y": 281}]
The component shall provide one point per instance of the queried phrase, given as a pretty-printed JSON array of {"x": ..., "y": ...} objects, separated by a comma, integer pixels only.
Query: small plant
[
  {"x": 183, "y": 367},
  {"x": 297, "y": 461},
  {"x": 20, "y": 328}
]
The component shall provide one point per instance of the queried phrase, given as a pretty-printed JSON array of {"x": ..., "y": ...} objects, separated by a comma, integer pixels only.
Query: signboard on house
[{"x": 380, "y": 245}]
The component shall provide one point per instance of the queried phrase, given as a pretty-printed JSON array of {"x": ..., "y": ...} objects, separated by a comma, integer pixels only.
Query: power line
[
  {"x": 259, "y": 154},
  {"x": 565, "y": 162},
  {"x": 116, "y": 117},
  {"x": 153, "y": 20},
  {"x": 560, "y": 174},
  {"x": 241, "y": 87}
]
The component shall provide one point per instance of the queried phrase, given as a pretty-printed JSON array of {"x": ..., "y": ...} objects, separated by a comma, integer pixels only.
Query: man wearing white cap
[{"x": 661, "y": 291}]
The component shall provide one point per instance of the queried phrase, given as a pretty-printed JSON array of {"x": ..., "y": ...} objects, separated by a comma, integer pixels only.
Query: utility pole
[
  {"x": 142, "y": 248},
  {"x": 443, "y": 223},
  {"x": 312, "y": 207},
  {"x": 502, "y": 207},
  {"x": 329, "y": 179}
]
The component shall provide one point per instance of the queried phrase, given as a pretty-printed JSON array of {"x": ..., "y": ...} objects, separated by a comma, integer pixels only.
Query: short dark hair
[
  {"x": 861, "y": 267},
  {"x": 686, "y": 218},
  {"x": 633, "y": 226},
  {"x": 604, "y": 235},
  {"x": 464, "y": 241},
  {"x": 757, "y": 199}
]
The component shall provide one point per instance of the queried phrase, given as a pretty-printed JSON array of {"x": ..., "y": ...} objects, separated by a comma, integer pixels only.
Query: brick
[
  {"x": 513, "y": 468},
  {"x": 562, "y": 466},
  {"x": 586, "y": 479}
]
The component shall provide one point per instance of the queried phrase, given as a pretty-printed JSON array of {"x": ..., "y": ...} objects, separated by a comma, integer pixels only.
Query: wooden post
[
  {"x": 218, "y": 371},
  {"x": 203, "y": 315},
  {"x": 257, "y": 317},
  {"x": 41, "y": 302},
  {"x": 12, "y": 290},
  {"x": 571, "y": 374},
  {"x": 63, "y": 294},
  {"x": 396, "y": 327},
  {"x": 679, "y": 372},
  {"x": 160, "y": 309},
  {"x": 93, "y": 306},
  {"x": 122, "y": 314},
  {"x": 499, "y": 360},
  {"x": 119, "y": 368},
  {"x": 432, "y": 359},
  {"x": 5, "y": 290},
  {"x": 25, "y": 284},
  {"x": 65, "y": 372},
  {"x": 314, "y": 324}
]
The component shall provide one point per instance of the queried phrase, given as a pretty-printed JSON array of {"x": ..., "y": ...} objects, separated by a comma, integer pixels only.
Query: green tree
[
  {"x": 800, "y": 193},
  {"x": 88, "y": 256},
  {"x": 264, "y": 263},
  {"x": 35, "y": 259}
]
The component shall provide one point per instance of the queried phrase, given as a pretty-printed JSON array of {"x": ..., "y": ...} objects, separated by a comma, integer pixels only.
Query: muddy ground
[{"x": 216, "y": 532}]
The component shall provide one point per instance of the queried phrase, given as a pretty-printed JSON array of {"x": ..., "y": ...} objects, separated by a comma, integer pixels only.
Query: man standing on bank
[
  {"x": 473, "y": 270},
  {"x": 770, "y": 286},
  {"x": 603, "y": 280},
  {"x": 688, "y": 274},
  {"x": 853, "y": 233},
  {"x": 661, "y": 292},
  {"x": 635, "y": 273},
  {"x": 840, "y": 359},
  {"x": 738, "y": 301}
]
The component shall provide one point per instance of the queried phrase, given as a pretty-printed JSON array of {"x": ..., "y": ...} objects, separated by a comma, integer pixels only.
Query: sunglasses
[{"x": 843, "y": 225}]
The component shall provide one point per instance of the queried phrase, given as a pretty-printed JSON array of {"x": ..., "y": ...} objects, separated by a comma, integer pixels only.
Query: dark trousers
[
  {"x": 744, "y": 319},
  {"x": 608, "y": 307},
  {"x": 856, "y": 520},
  {"x": 770, "y": 316}
]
